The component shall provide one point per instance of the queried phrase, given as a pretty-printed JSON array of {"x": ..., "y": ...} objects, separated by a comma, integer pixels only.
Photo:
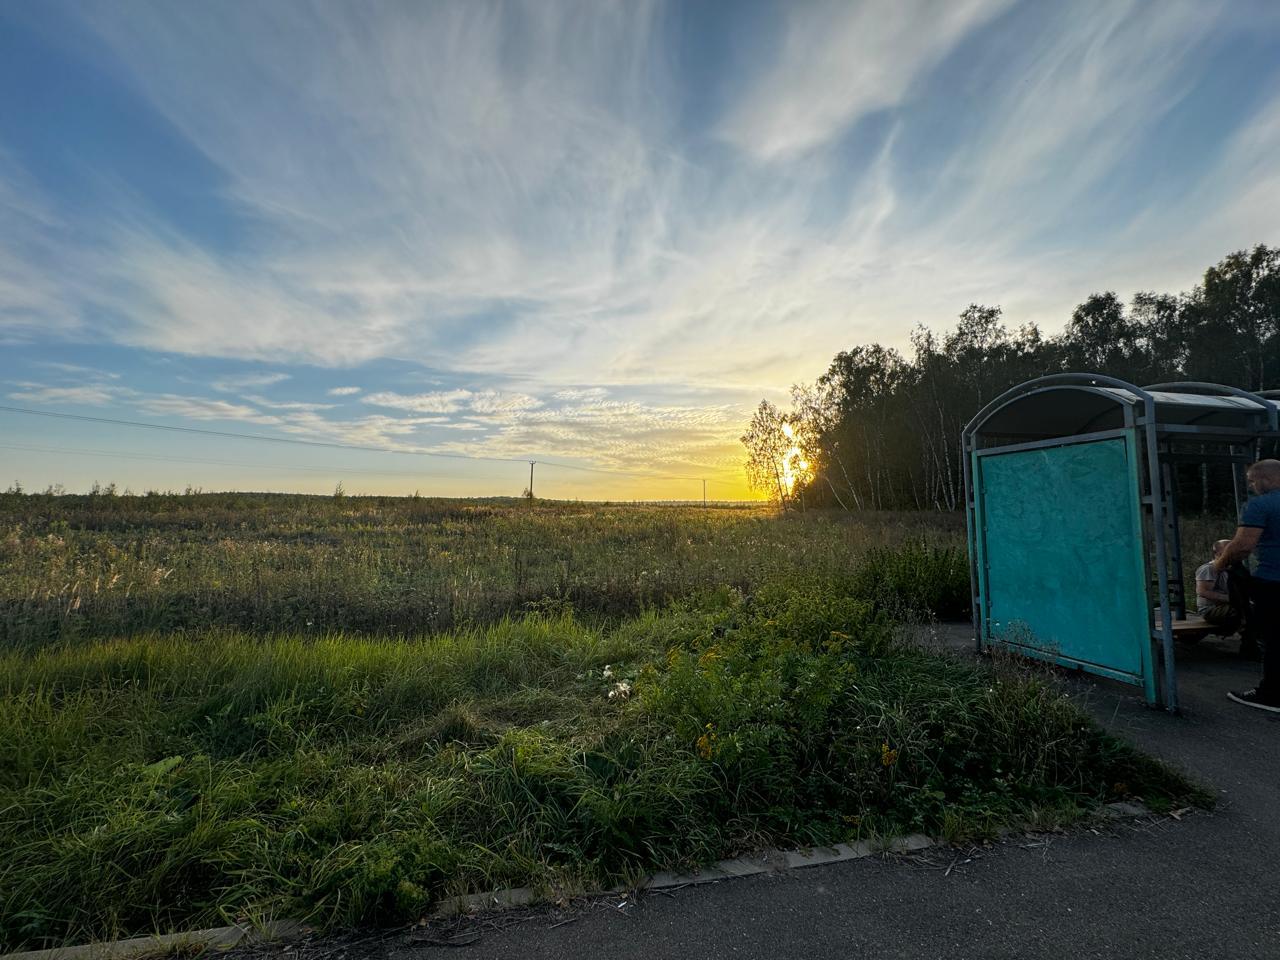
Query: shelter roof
[{"x": 1063, "y": 405}]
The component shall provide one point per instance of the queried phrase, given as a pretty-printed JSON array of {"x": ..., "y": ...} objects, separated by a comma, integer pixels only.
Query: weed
[
  {"x": 169, "y": 782},
  {"x": 341, "y": 709}
]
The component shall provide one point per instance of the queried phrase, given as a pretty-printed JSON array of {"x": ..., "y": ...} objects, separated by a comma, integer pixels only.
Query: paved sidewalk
[{"x": 1200, "y": 888}]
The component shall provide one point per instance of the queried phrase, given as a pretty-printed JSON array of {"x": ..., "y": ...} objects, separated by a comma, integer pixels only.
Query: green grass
[
  {"x": 232, "y": 707},
  {"x": 88, "y": 567},
  {"x": 166, "y": 783}
]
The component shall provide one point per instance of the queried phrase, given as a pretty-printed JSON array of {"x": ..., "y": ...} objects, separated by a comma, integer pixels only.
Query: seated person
[{"x": 1216, "y": 601}]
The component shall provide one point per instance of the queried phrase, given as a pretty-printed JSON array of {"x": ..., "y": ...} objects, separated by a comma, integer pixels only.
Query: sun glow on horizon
[{"x": 795, "y": 468}]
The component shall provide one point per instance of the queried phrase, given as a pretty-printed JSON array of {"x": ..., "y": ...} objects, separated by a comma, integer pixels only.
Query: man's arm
[
  {"x": 1204, "y": 589},
  {"x": 1241, "y": 546}
]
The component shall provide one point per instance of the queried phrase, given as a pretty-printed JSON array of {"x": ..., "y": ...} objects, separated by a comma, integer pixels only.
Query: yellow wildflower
[{"x": 706, "y": 743}]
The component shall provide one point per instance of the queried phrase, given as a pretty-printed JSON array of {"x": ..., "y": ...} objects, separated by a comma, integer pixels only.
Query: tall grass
[
  {"x": 86, "y": 567},
  {"x": 342, "y": 709},
  {"x": 166, "y": 782}
]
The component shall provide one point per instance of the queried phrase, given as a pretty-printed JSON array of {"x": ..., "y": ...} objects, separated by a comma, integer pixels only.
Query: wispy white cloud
[
  {"x": 93, "y": 395},
  {"x": 75, "y": 369},
  {"x": 1241, "y": 196},
  {"x": 200, "y": 408},
  {"x": 247, "y": 381},
  {"x": 480, "y": 403},
  {"x": 441, "y": 401},
  {"x": 171, "y": 295},
  {"x": 526, "y": 189},
  {"x": 493, "y": 402},
  {"x": 587, "y": 393},
  {"x": 424, "y": 192},
  {"x": 841, "y": 61},
  {"x": 581, "y": 426},
  {"x": 270, "y": 404},
  {"x": 33, "y": 301},
  {"x": 624, "y": 435},
  {"x": 1088, "y": 88}
]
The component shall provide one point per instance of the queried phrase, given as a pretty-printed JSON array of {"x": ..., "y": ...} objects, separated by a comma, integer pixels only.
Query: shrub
[
  {"x": 820, "y": 726},
  {"x": 916, "y": 579}
]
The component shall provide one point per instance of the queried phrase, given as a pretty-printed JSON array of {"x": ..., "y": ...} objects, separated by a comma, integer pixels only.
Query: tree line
[{"x": 880, "y": 428}]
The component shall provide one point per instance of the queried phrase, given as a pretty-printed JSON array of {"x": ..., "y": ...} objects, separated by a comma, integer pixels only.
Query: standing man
[{"x": 1259, "y": 531}]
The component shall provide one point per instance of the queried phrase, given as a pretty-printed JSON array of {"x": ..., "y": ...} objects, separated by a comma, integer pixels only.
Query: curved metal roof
[{"x": 1066, "y": 404}]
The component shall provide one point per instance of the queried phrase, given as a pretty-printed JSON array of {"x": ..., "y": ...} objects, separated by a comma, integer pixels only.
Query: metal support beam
[
  {"x": 1177, "y": 586},
  {"x": 1169, "y": 688}
]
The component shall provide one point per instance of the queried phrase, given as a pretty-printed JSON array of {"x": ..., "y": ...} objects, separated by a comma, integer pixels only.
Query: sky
[{"x": 592, "y": 234}]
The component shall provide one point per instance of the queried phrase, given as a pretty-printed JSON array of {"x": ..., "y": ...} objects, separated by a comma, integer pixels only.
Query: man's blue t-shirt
[{"x": 1264, "y": 511}]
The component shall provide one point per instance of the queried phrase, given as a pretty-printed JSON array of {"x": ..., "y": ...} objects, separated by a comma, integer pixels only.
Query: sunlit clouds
[{"x": 599, "y": 232}]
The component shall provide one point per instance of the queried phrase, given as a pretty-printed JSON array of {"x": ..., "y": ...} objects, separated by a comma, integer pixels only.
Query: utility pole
[
  {"x": 531, "y": 463},
  {"x": 704, "y": 494}
]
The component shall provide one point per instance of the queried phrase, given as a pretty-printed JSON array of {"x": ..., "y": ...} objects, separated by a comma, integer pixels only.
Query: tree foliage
[
  {"x": 767, "y": 445},
  {"x": 881, "y": 430}
]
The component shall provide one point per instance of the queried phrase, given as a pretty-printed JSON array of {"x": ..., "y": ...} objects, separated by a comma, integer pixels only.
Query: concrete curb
[
  {"x": 770, "y": 861},
  {"x": 220, "y": 938},
  {"x": 775, "y": 861}
]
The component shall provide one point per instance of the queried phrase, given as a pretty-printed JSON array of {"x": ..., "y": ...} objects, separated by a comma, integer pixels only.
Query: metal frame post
[
  {"x": 970, "y": 523},
  {"x": 1177, "y": 588},
  {"x": 1167, "y": 679}
]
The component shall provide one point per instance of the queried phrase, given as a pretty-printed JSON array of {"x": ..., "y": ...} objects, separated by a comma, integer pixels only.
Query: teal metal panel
[{"x": 1062, "y": 571}]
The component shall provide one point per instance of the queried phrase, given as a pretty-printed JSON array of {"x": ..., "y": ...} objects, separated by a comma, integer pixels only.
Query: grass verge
[{"x": 170, "y": 783}]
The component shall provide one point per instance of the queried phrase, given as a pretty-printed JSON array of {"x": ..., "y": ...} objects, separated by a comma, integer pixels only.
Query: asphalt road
[{"x": 1200, "y": 887}]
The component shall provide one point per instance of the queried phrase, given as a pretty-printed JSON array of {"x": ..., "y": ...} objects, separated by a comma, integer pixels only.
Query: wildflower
[
  {"x": 888, "y": 757},
  {"x": 706, "y": 743},
  {"x": 607, "y": 672},
  {"x": 621, "y": 690}
]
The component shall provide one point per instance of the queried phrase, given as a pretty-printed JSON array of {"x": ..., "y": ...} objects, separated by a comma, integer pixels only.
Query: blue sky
[{"x": 593, "y": 233}]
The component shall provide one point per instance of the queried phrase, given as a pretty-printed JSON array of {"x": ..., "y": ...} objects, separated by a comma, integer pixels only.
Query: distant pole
[
  {"x": 704, "y": 494},
  {"x": 531, "y": 463}
]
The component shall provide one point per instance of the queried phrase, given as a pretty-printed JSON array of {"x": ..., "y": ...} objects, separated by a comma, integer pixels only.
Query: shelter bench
[{"x": 1192, "y": 630}]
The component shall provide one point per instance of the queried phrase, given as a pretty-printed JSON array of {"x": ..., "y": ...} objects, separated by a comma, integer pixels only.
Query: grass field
[
  {"x": 79, "y": 567},
  {"x": 340, "y": 710}
]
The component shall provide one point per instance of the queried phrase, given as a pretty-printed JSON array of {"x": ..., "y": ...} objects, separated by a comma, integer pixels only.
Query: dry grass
[{"x": 82, "y": 567}]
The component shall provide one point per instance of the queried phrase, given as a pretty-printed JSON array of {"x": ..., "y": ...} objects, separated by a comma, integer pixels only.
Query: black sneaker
[{"x": 1252, "y": 698}]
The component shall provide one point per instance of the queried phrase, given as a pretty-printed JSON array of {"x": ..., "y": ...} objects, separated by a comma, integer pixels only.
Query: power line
[
  {"x": 618, "y": 473},
  {"x": 332, "y": 445},
  {"x": 230, "y": 463},
  {"x": 255, "y": 436}
]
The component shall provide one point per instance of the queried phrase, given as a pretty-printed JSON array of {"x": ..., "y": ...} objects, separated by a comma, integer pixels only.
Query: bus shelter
[{"x": 1072, "y": 515}]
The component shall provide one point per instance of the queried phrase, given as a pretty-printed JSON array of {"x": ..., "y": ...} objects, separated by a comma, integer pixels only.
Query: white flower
[
  {"x": 607, "y": 672},
  {"x": 621, "y": 690}
]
